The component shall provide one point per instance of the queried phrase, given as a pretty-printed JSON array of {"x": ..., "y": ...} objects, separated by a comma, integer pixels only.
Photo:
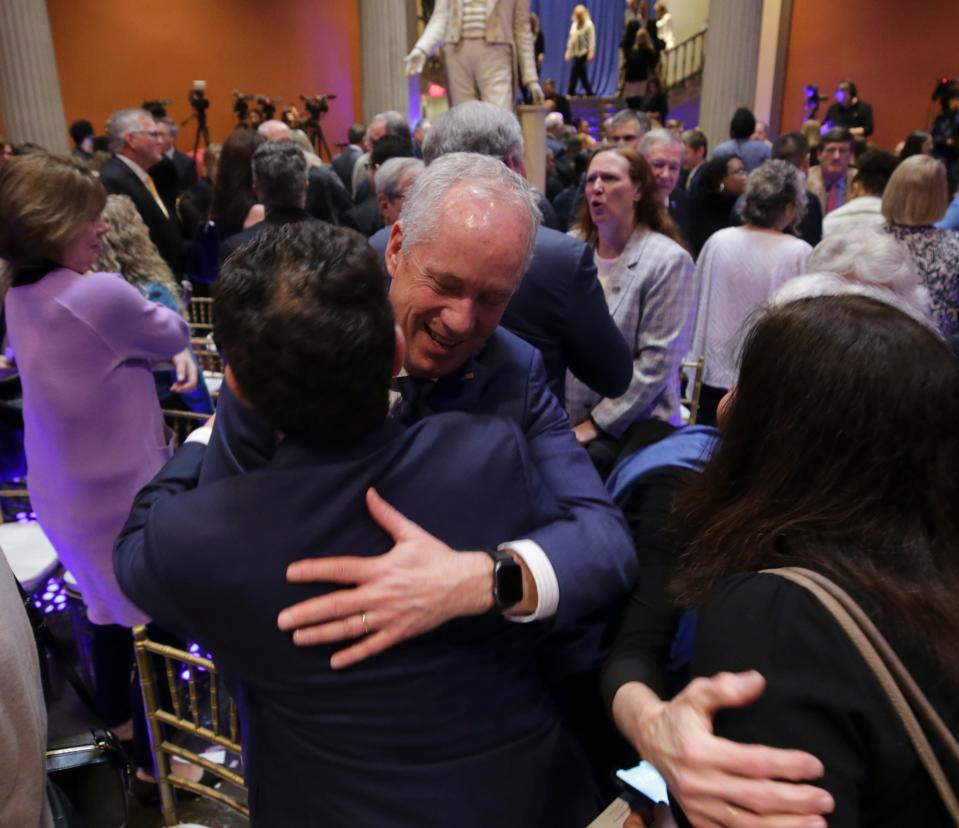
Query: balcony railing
[{"x": 685, "y": 60}]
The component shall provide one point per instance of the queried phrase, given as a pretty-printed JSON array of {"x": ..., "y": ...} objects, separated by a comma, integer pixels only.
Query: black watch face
[{"x": 509, "y": 584}]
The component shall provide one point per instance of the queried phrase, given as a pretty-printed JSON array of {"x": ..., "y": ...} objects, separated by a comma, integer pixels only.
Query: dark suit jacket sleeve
[
  {"x": 596, "y": 352},
  {"x": 589, "y": 547},
  {"x": 136, "y": 558},
  {"x": 251, "y": 445}
]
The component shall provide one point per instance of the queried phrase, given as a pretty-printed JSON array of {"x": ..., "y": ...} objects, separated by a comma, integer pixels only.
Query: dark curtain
[{"x": 555, "y": 17}]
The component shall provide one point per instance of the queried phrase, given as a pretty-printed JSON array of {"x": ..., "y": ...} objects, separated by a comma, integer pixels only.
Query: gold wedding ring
[
  {"x": 366, "y": 627},
  {"x": 733, "y": 812}
]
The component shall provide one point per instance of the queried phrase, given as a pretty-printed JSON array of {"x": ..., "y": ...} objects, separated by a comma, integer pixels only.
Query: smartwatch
[{"x": 507, "y": 580}]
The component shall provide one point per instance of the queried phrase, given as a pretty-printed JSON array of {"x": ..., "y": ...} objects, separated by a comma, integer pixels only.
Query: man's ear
[
  {"x": 393, "y": 248},
  {"x": 383, "y": 202},
  {"x": 400, "y": 355},
  {"x": 231, "y": 382}
]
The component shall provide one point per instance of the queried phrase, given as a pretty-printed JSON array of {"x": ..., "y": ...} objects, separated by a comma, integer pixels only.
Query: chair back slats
[
  {"x": 196, "y": 705},
  {"x": 183, "y": 422},
  {"x": 200, "y": 314},
  {"x": 693, "y": 389}
]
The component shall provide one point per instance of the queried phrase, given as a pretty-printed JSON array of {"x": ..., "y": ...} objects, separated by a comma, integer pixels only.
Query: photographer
[
  {"x": 850, "y": 112},
  {"x": 945, "y": 131}
]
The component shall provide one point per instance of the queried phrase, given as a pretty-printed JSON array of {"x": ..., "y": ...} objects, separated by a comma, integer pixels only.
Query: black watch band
[{"x": 507, "y": 580}]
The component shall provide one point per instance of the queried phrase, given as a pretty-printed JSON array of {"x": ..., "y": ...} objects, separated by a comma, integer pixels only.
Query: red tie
[{"x": 833, "y": 201}]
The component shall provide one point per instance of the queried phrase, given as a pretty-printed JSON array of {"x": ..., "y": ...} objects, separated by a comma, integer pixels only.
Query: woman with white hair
[
  {"x": 864, "y": 261},
  {"x": 740, "y": 267}
]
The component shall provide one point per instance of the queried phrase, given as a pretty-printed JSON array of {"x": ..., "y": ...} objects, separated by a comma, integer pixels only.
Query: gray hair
[
  {"x": 624, "y": 116},
  {"x": 174, "y": 129},
  {"x": 770, "y": 189},
  {"x": 659, "y": 136},
  {"x": 394, "y": 123},
  {"x": 122, "y": 123},
  {"x": 483, "y": 176},
  {"x": 869, "y": 256},
  {"x": 268, "y": 129},
  {"x": 279, "y": 174},
  {"x": 394, "y": 172},
  {"x": 833, "y": 284},
  {"x": 478, "y": 127},
  {"x": 554, "y": 119}
]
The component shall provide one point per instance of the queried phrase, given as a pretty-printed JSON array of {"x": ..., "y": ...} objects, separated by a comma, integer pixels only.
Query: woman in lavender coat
[{"x": 84, "y": 344}]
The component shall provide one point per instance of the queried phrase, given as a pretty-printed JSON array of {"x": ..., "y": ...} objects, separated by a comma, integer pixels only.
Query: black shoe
[{"x": 148, "y": 793}]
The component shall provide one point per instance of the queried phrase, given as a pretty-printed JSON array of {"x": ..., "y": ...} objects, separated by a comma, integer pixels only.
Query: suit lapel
[{"x": 616, "y": 287}]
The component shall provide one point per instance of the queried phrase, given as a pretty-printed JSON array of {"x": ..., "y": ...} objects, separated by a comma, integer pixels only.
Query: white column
[
  {"x": 771, "y": 63},
  {"x": 732, "y": 57},
  {"x": 532, "y": 119},
  {"x": 30, "y": 97},
  {"x": 387, "y": 33}
]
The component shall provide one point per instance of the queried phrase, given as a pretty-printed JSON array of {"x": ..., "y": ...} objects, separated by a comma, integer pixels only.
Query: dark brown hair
[
  {"x": 650, "y": 210},
  {"x": 839, "y": 454},
  {"x": 233, "y": 189}
]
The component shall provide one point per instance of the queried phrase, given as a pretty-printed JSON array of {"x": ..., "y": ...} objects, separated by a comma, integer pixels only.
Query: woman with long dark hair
[
  {"x": 838, "y": 455},
  {"x": 648, "y": 281},
  {"x": 233, "y": 196}
]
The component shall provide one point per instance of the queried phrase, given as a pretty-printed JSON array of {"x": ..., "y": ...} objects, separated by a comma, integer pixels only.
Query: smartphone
[{"x": 645, "y": 781}]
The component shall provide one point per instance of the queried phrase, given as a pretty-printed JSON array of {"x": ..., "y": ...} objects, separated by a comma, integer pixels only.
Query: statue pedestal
[{"x": 532, "y": 118}]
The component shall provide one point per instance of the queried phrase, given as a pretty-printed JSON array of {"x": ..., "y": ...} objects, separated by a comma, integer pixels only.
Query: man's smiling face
[{"x": 449, "y": 292}]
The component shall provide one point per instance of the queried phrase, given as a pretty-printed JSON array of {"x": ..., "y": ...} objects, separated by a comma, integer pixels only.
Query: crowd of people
[{"x": 448, "y": 523}]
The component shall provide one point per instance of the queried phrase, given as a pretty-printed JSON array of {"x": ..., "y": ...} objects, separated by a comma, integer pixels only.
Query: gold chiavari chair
[
  {"x": 200, "y": 315},
  {"x": 183, "y": 422},
  {"x": 694, "y": 387},
  {"x": 210, "y": 362},
  {"x": 200, "y": 708}
]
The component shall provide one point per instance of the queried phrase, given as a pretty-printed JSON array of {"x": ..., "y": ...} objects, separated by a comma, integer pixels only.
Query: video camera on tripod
[
  {"x": 317, "y": 106},
  {"x": 241, "y": 106},
  {"x": 267, "y": 107},
  {"x": 200, "y": 103}
]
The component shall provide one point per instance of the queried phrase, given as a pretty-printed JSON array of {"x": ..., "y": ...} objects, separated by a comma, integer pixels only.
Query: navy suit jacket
[
  {"x": 588, "y": 546},
  {"x": 453, "y": 722},
  {"x": 559, "y": 308},
  {"x": 119, "y": 179}
]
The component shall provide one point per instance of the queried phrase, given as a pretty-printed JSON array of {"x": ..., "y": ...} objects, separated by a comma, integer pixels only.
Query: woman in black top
[
  {"x": 838, "y": 455},
  {"x": 655, "y": 101},
  {"x": 641, "y": 63},
  {"x": 712, "y": 199}
]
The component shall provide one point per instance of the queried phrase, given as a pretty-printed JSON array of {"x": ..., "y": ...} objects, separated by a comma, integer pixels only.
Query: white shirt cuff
[
  {"x": 200, "y": 435},
  {"x": 547, "y": 587}
]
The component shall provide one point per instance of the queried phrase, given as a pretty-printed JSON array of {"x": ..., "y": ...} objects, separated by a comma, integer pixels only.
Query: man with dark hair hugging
[{"x": 452, "y": 725}]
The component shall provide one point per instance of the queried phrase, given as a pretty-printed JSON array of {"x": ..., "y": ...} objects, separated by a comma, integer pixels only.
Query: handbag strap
[{"x": 884, "y": 663}]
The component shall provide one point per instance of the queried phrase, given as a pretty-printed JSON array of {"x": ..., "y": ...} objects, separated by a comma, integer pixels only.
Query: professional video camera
[
  {"x": 946, "y": 88},
  {"x": 317, "y": 106},
  {"x": 157, "y": 107},
  {"x": 812, "y": 100},
  {"x": 200, "y": 104},
  {"x": 241, "y": 106},
  {"x": 267, "y": 107}
]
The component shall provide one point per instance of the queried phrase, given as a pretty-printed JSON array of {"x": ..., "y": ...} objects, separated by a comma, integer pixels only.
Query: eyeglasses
[
  {"x": 393, "y": 197},
  {"x": 153, "y": 133}
]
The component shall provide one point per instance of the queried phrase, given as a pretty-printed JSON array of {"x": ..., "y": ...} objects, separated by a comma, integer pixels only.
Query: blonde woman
[
  {"x": 664, "y": 26},
  {"x": 126, "y": 249},
  {"x": 580, "y": 48},
  {"x": 916, "y": 198}
]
